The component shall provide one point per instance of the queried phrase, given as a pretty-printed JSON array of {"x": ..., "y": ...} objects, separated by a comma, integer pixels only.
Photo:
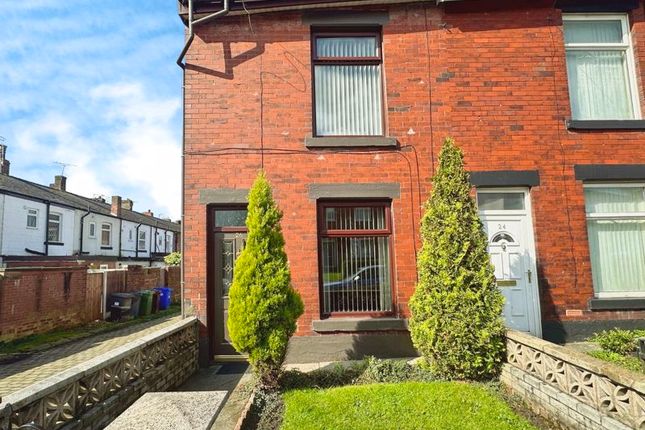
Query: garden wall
[
  {"x": 92, "y": 394},
  {"x": 571, "y": 387},
  {"x": 39, "y": 299}
]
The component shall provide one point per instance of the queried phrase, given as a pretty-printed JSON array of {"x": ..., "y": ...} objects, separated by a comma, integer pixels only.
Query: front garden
[{"x": 385, "y": 394}]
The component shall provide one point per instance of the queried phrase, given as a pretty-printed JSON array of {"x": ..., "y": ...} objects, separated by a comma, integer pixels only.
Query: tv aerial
[{"x": 63, "y": 165}]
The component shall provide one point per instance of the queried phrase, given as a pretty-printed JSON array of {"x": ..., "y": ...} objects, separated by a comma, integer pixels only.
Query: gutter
[{"x": 192, "y": 22}]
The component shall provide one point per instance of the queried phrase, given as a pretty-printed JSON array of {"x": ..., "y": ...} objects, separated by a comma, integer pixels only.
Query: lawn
[{"x": 407, "y": 405}]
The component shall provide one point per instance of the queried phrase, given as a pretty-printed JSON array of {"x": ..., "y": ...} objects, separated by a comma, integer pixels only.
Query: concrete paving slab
[{"x": 171, "y": 411}]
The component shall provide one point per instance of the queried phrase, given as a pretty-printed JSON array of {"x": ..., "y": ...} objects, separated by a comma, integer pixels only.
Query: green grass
[
  {"x": 56, "y": 337},
  {"x": 630, "y": 362},
  {"x": 402, "y": 406}
]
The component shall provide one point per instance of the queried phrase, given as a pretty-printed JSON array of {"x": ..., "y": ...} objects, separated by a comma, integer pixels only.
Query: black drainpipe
[
  {"x": 120, "y": 235},
  {"x": 80, "y": 251},
  {"x": 136, "y": 242},
  {"x": 47, "y": 228}
]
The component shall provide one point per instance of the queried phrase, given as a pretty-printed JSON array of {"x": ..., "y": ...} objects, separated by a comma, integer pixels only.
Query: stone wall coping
[
  {"x": 54, "y": 383},
  {"x": 619, "y": 375}
]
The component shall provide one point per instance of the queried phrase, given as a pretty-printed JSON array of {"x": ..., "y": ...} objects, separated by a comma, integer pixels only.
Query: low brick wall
[
  {"x": 91, "y": 395},
  {"x": 36, "y": 300},
  {"x": 571, "y": 387},
  {"x": 39, "y": 299}
]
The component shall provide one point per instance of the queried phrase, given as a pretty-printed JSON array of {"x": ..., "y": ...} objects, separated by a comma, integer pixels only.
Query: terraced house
[{"x": 345, "y": 105}]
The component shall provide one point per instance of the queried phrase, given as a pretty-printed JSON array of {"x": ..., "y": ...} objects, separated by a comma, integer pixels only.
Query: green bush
[
  {"x": 456, "y": 308},
  {"x": 173, "y": 259},
  {"x": 380, "y": 371},
  {"x": 618, "y": 341},
  {"x": 263, "y": 307},
  {"x": 326, "y": 377}
]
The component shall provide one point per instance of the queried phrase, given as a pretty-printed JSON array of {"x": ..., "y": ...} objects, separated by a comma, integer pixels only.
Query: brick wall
[
  {"x": 35, "y": 301},
  {"x": 494, "y": 79},
  {"x": 38, "y": 299}
]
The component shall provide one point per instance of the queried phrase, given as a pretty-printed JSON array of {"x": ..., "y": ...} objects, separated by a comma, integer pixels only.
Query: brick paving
[{"x": 41, "y": 365}]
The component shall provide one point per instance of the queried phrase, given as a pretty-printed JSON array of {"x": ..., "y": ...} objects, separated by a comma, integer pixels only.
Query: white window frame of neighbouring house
[
  {"x": 605, "y": 94},
  {"x": 54, "y": 225},
  {"x": 617, "y": 261},
  {"x": 32, "y": 218},
  {"x": 106, "y": 234},
  {"x": 141, "y": 241}
]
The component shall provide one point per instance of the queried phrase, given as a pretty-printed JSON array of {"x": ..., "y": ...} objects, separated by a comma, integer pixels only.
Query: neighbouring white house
[{"x": 38, "y": 221}]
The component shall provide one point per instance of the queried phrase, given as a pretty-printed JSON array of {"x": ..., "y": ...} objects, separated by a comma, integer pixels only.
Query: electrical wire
[{"x": 564, "y": 164}]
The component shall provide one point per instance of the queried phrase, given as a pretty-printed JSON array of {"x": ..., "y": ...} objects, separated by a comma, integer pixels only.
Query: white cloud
[{"x": 94, "y": 85}]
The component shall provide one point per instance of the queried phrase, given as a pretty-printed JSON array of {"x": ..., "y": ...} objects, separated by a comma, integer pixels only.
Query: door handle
[{"x": 529, "y": 273}]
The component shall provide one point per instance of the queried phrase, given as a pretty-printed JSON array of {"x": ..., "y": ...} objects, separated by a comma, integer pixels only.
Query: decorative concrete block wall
[
  {"x": 573, "y": 388},
  {"x": 89, "y": 396}
]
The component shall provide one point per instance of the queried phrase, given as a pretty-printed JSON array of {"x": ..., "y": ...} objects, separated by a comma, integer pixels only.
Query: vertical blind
[
  {"x": 348, "y": 96},
  {"x": 356, "y": 260},
  {"x": 599, "y": 82},
  {"x": 617, "y": 238}
]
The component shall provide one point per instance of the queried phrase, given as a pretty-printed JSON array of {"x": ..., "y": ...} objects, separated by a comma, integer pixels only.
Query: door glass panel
[
  {"x": 230, "y": 218},
  {"x": 500, "y": 201},
  {"x": 228, "y": 263}
]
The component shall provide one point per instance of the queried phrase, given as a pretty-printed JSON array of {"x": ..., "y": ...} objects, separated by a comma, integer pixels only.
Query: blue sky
[{"x": 94, "y": 84}]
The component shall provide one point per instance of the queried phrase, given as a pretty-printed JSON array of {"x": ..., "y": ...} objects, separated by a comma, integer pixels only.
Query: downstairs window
[{"x": 355, "y": 257}]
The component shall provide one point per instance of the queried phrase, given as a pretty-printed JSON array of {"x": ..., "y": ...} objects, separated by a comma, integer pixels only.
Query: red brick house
[{"x": 345, "y": 105}]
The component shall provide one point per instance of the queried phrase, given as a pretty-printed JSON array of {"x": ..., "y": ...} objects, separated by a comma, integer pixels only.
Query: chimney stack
[
  {"x": 4, "y": 163},
  {"x": 127, "y": 204},
  {"x": 148, "y": 213},
  {"x": 116, "y": 206},
  {"x": 60, "y": 183}
]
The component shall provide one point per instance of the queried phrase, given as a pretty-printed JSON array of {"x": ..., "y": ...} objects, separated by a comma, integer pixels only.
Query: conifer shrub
[
  {"x": 456, "y": 308},
  {"x": 263, "y": 306}
]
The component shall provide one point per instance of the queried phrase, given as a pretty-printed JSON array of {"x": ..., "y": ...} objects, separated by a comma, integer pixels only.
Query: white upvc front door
[{"x": 506, "y": 215}]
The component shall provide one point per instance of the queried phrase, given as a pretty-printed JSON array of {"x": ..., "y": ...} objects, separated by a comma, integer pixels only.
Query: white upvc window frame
[
  {"x": 142, "y": 238},
  {"x": 60, "y": 226},
  {"x": 613, "y": 216},
  {"x": 109, "y": 230},
  {"x": 626, "y": 45},
  {"x": 91, "y": 231},
  {"x": 32, "y": 213}
]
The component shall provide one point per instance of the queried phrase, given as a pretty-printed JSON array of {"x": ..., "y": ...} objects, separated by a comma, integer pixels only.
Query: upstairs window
[
  {"x": 616, "y": 228},
  {"x": 106, "y": 234},
  {"x": 53, "y": 227},
  {"x": 600, "y": 66},
  {"x": 32, "y": 218},
  {"x": 347, "y": 72}
]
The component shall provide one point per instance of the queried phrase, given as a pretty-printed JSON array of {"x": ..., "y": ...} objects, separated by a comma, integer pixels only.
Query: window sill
[
  {"x": 55, "y": 243},
  {"x": 350, "y": 142},
  {"x": 589, "y": 125},
  {"x": 617, "y": 304},
  {"x": 106, "y": 247},
  {"x": 359, "y": 324}
]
